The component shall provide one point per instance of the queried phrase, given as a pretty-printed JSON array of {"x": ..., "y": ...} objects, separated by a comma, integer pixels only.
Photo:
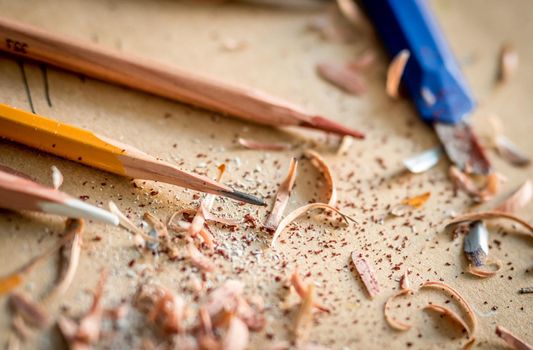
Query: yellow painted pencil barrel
[{"x": 61, "y": 139}]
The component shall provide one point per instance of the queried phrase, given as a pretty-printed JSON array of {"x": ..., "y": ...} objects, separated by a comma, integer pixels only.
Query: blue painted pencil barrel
[{"x": 432, "y": 76}]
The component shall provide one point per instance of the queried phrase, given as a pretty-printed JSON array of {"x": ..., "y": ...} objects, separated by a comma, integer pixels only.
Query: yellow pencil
[{"x": 103, "y": 153}]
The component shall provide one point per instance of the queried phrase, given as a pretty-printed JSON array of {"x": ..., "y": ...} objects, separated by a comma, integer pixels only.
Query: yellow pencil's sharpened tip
[{"x": 244, "y": 197}]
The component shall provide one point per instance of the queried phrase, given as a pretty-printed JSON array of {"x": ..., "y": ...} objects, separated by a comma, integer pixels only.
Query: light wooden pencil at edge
[
  {"x": 141, "y": 74},
  {"x": 100, "y": 152},
  {"x": 18, "y": 193}
]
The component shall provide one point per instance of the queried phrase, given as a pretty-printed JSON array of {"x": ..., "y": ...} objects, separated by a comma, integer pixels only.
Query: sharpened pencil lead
[{"x": 243, "y": 197}]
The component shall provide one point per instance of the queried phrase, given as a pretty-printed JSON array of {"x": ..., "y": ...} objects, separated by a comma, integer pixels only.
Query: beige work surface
[{"x": 279, "y": 57}]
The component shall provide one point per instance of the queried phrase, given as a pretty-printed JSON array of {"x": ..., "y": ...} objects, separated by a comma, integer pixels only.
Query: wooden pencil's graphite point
[
  {"x": 324, "y": 124},
  {"x": 243, "y": 197}
]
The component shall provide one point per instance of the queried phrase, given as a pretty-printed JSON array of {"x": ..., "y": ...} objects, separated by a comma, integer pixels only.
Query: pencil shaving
[
  {"x": 393, "y": 322},
  {"x": 395, "y": 72},
  {"x": 508, "y": 62},
  {"x": 237, "y": 335},
  {"x": 343, "y": 77},
  {"x": 518, "y": 199},
  {"x": 463, "y": 182},
  {"x": 443, "y": 310},
  {"x": 345, "y": 145},
  {"x": 301, "y": 289},
  {"x": 57, "y": 177},
  {"x": 417, "y": 201},
  {"x": 300, "y": 211},
  {"x": 304, "y": 317},
  {"x": 71, "y": 255},
  {"x": 85, "y": 332},
  {"x": 471, "y": 329},
  {"x": 139, "y": 236},
  {"x": 263, "y": 146},
  {"x": 486, "y": 215},
  {"x": 511, "y": 339},
  {"x": 31, "y": 312},
  {"x": 482, "y": 272},
  {"x": 282, "y": 197},
  {"x": 198, "y": 259},
  {"x": 367, "y": 274},
  {"x": 319, "y": 163}
]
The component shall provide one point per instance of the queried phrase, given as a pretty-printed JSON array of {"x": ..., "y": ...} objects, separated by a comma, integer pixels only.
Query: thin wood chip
[
  {"x": 71, "y": 258},
  {"x": 198, "y": 259},
  {"x": 304, "y": 318},
  {"x": 264, "y": 146},
  {"x": 33, "y": 313},
  {"x": 508, "y": 62},
  {"x": 86, "y": 332},
  {"x": 518, "y": 199},
  {"x": 282, "y": 197},
  {"x": 345, "y": 145},
  {"x": 448, "y": 312},
  {"x": 237, "y": 335},
  {"x": 486, "y": 215},
  {"x": 395, "y": 72},
  {"x": 300, "y": 211},
  {"x": 394, "y": 323},
  {"x": 463, "y": 182},
  {"x": 511, "y": 339},
  {"x": 301, "y": 289},
  {"x": 350, "y": 11},
  {"x": 471, "y": 329},
  {"x": 319, "y": 163},
  {"x": 366, "y": 272},
  {"x": 57, "y": 177},
  {"x": 424, "y": 161},
  {"x": 139, "y": 236},
  {"x": 507, "y": 150},
  {"x": 14, "y": 279},
  {"x": 342, "y": 76},
  {"x": 404, "y": 281}
]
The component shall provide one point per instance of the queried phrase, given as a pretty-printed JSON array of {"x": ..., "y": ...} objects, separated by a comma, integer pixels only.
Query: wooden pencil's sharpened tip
[
  {"x": 244, "y": 197},
  {"x": 328, "y": 125}
]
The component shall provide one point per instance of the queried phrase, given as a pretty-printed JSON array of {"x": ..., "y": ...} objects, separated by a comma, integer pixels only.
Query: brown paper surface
[{"x": 278, "y": 56}]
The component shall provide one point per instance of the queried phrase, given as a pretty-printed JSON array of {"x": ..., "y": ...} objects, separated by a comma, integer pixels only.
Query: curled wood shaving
[
  {"x": 491, "y": 189},
  {"x": 519, "y": 199},
  {"x": 57, "y": 177},
  {"x": 508, "y": 62},
  {"x": 471, "y": 329},
  {"x": 394, "y": 323},
  {"x": 511, "y": 339},
  {"x": 448, "y": 312},
  {"x": 158, "y": 226},
  {"x": 304, "y": 318},
  {"x": 208, "y": 216},
  {"x": 319, "y": 163},
  {"x": 237, "y": 335},
  {"x": 282, "y": 197},
  {"x": 486, "y": 215},
  {"x": 33, "y": 314},
  {"x": 86, "y": 332},
  {"x": 479, "y": 271},
  {"x": 198, "y": 259},
  {"x": 342, "y": 76},
  {"x": 395, "y": 72},
  {"x": 300, "y": 211},
  {"x": 13, "y": 280},
  {"x": 301, "y": 289},
  {"x": 264, "y": 146},
  {"x": 366, "y": 272}
]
